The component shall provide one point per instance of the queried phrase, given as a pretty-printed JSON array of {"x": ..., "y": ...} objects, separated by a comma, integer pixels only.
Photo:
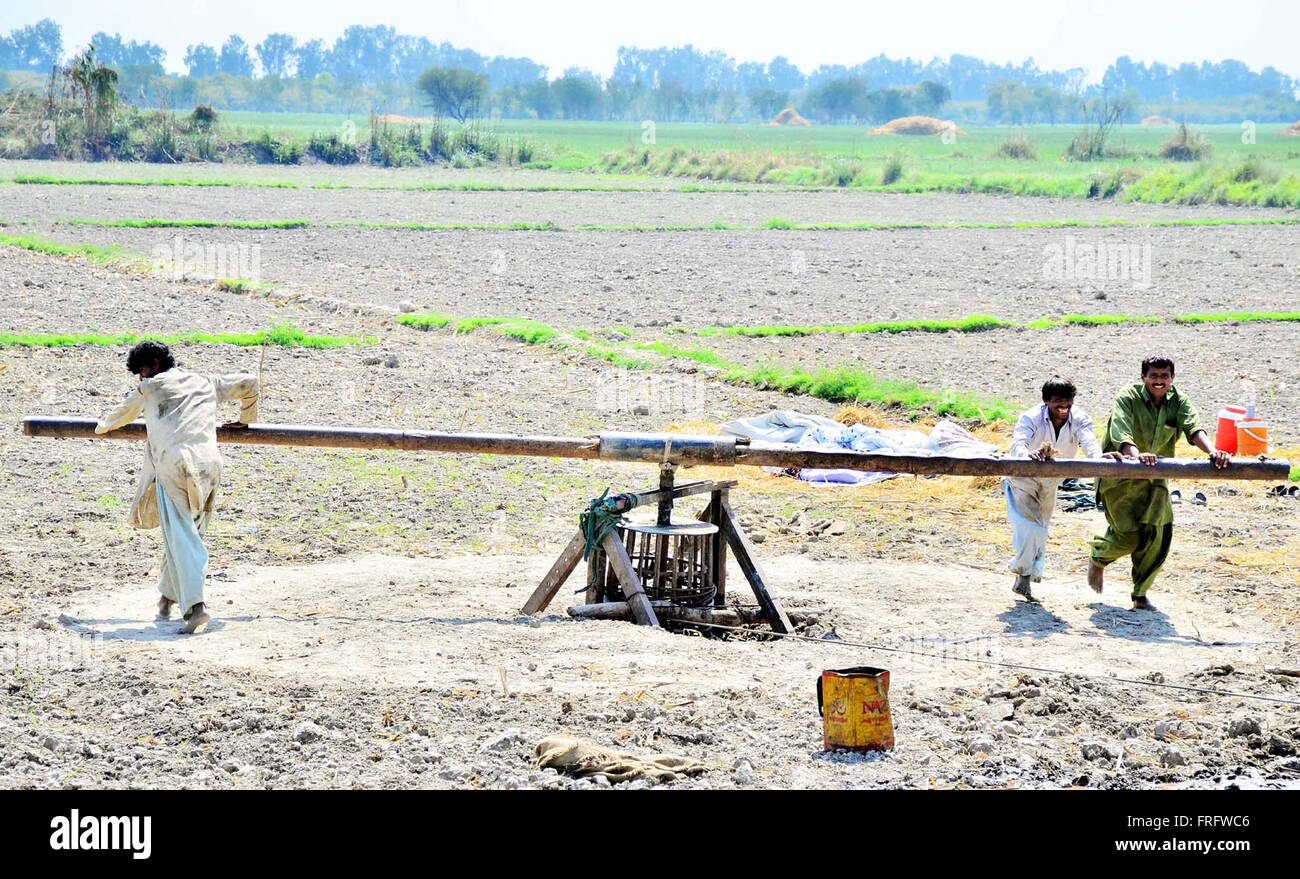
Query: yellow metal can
[{"x": 854, "y": 704}]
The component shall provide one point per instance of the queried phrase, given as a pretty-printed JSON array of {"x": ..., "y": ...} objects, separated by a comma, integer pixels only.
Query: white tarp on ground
[{"x": 815, "y": 432}]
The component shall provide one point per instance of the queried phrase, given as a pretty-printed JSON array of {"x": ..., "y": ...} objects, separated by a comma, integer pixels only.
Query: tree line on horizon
[{"x": 376, "y": 68}]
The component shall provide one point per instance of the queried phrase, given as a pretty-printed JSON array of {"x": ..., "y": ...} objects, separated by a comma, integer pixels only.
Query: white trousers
[
  {"x": 185, "y": 558},
  {"x": 1030, "y": 503}
]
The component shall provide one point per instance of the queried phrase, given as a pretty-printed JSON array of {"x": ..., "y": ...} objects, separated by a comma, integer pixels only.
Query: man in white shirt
[
  {"x": 1057, "y": 430},
  {"x": 182, "y": 467}
]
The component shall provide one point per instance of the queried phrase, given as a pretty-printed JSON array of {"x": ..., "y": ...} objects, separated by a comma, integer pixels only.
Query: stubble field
[{"x": 368, "y": 629}]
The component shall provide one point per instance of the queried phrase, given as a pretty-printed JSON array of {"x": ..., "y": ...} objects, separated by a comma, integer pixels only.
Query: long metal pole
[{"x": 680, "y": 449}]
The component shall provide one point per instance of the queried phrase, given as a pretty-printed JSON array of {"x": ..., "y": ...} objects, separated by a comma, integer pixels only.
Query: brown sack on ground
[{"x": 581, "y": 759}]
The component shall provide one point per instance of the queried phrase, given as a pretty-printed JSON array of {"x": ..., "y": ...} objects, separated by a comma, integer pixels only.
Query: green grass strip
[
  {"x": 775, "y": 224},
  {"x": 1163, "y": 186},
  {"x": 530, "y": 332},
  {"x": 618, "y": 358},
  {"x": 283, "y": 335},
  {"x": 840, "y": 385},
  {"x": 449, "y": 186},
  {"x": 980, "y": 323},
  {"x": 972, "y": 324},
  {"x": 434, "y": 321},
  {"x": 187, "y": 224},
  {"x": 520, "y": 329},
  {"x": 114, "y": 255},
  {"x": 91, "y": 252},
  {"x": 38, "y": 179},
  {"x": 847, "y": 385},
  {"x": 547, "y": 226},
  {"x": 699, "y": 355},
  {"x": 425, "y": 321},
  {"x": 1241, "y": 316},
  {"x": 778, "y": 223}
]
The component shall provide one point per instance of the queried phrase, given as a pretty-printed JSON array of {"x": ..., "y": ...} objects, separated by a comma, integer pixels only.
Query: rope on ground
[{"x": 1011, "y": 665}]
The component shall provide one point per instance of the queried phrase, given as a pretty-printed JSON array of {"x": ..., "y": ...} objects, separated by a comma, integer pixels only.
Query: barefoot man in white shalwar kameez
[
  {"x": 182, "y": 467},
  {"x": 1053, "y": 430}
]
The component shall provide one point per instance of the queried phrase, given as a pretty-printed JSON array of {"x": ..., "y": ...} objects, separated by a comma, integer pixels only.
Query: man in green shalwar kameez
[{"x": 1145, "y": 424}]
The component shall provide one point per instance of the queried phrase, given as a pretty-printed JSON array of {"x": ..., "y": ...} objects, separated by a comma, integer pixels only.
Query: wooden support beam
[
  {"x": 597, "y": 565},
  {"x": 627, "y": 578},
  {"x": 556, "y": 576},
  {"x": 717, "y": 542},
  {"x": 681, "y": 490},
  {"x": 720, "y": 616},
  {"x": 748, "y": 561}
]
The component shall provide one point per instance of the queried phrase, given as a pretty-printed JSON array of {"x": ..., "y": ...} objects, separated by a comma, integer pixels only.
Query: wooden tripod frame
[{"x": 730, "y": 534}]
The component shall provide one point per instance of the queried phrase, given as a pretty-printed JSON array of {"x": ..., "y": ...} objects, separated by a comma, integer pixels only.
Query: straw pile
[
  {"x": 394, "y": 119},
  {"x": 789, "y": 116},
  {"x": 918, "y": 125}
]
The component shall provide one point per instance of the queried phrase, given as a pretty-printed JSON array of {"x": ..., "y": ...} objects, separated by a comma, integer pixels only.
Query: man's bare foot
[
  {"x": 197, "y": 616},
  {"x": 1095, "y": 575},
  {"x": 1021, "y": 588},
  {"x": 165, "y": 606},
  {"x": 1140, "y": 603}
]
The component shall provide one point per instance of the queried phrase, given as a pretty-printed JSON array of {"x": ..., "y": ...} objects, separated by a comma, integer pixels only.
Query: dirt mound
[
  {"x": 1157, "y": 120},
  {"x": 1292, "y": 130},
  {"x": 918, "y": 125},
  {"x": 789, "y": 116}
]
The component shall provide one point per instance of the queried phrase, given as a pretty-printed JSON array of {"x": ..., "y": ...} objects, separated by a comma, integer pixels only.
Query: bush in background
[
  {"x": 1017, "y": 147},
  {"x": 1186, "y": 146},
  {"x": 895, "y": 168},
  {"x": 267, "y": 149},
  {"x": 332, "y": 149}
]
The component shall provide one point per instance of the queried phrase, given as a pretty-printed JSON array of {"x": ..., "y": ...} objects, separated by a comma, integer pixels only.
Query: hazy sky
[{"x": 587, "y": 33}]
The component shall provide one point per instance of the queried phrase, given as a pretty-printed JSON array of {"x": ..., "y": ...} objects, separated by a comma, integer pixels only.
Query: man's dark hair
[
  {"x": 146, "y": 352},
  {"x": 1157, "y": 361},
  {"x": 1058, "y": 387}
]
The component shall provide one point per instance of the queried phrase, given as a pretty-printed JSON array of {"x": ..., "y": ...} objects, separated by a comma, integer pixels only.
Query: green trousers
[{"x": 1149, "y": 546}]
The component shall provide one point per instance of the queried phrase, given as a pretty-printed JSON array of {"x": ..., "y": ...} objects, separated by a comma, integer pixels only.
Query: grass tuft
[
  {"x": 424, "y": 321},
  {"x": 1017, "y": 147},
  {"x": 895, "y": 168}
]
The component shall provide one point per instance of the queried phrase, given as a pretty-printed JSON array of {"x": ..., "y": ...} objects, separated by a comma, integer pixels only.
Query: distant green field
[
  {"x": 1266, "y": 172},
  {"x": 580, "y": 144}
]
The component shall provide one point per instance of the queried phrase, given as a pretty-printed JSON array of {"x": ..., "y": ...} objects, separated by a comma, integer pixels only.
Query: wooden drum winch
[
  {"x": 675, "y": 561},
  {"x": 675, "y": 567}
]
